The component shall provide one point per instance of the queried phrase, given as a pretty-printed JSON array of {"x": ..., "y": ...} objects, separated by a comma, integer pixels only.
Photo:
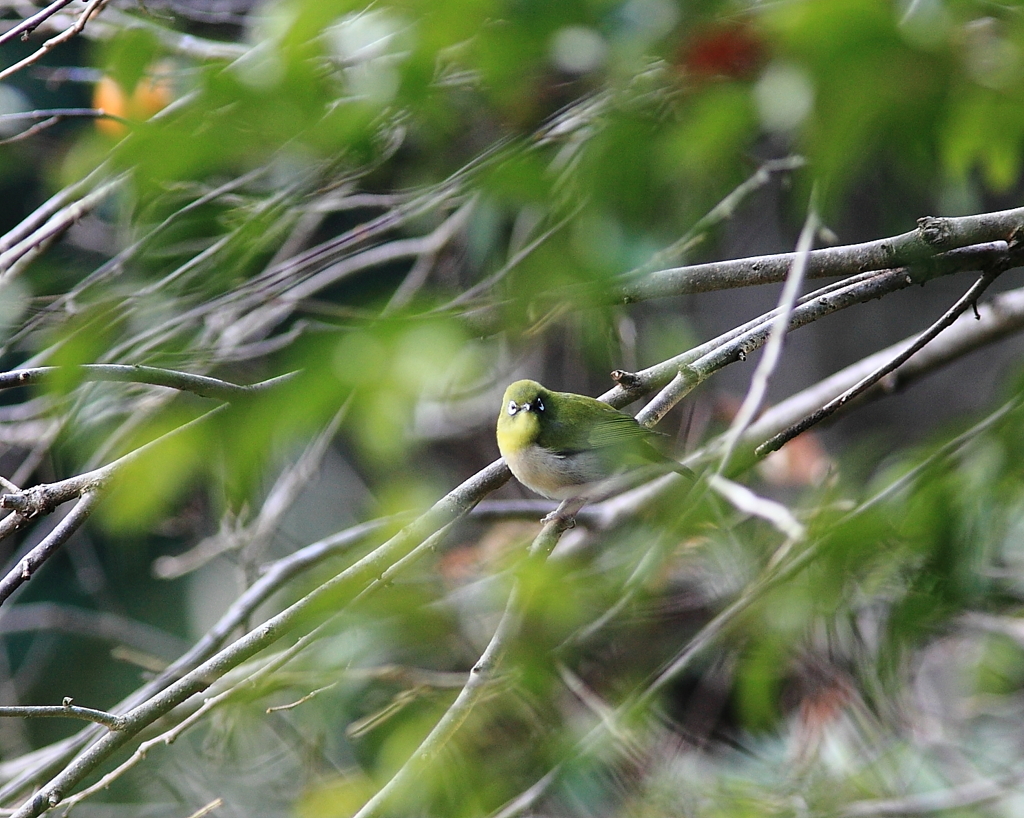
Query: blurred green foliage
[{"x": 582, "y": 137}]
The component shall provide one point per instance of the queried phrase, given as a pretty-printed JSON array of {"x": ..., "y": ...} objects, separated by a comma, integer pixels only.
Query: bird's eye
[
  {"x": 513, "y": 407},
  {"x": 538, "y": 405}
]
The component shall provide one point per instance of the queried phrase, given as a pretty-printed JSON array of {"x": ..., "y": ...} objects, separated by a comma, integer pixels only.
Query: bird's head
[{"x": 522, "y": 415}]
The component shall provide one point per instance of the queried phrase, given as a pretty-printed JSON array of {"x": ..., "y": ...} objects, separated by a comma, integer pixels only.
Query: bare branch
[
  {"x": 479, "y": 677},
  {"x": 29, "y": 24},
  {"x": 27, "y": 565},
  {"x": 92, "y": 8},
  {"x": 15, "y": 258},
  {"x": 932, "y": 237},
  {"x": 44, "y": 498},
  {"x": 64, "y": 711},
  {"x": 455, "y": 504},
  {"x": 58, "y": 113},
  {"x": 205, "y": 810},
  {"x": 695, "y": 365},
  {"x": 107, "y": 625},
  {"x": 274, "y": 578},
  {"x": 967, "y": 300},
  {"x": 773, "y": 348},
  {"x": 176, "y": 42},
  {"x": 1002, "y": 317},
  {"x": 202, "y": 385},
  {"x": 721, "y": 212},
  {"x": 969, "y": 794},
  {"x": 50, "y": 118},
  {"x": 53, "y": 205}
]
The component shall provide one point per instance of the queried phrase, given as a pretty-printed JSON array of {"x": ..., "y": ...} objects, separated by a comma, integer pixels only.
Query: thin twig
[
  {"x": 969, "y": 794},
  {"x": 467, "y": 295},
  {"x": 201, "y": 385},
  {"x": 92, "y": 8},
  {"x": 115, "y": 21},
  {"x": 725, "y": 209},
  {"x": 690, "y": 368},
  {"x": 45, "y": 497},
  {"x": 254, "y": 536},
  {"x": 967, "y": 300},
  {"x": 59, "y": 113},
  {"x": 54, "y": 204},
  {"x": 29, "y": 24},
  {"x": 29, "y": 564},
  {"x": 479, "y": 677},
  {"x": 746, "y": 501},
  {"x": 240, "y": 610},
  {"x": 205, "y": 810},
  {"x": 57, "y": 116},
  {"x": 246, "y": 684},
  {"x": 773, "y": 348},
  {"x": 12, "y": 259},
  {"x": 456, "y": 503},
  {"x": 296, "y": 288},
  {"x": 698, "y": 364},
  {"x": 302, "y": 699},
  {"x": 625, "y": 713},
  {"x": 102, "y": 625},
  {"x": 63, "y": 711},
  {"x": 1001, "y": 317}
]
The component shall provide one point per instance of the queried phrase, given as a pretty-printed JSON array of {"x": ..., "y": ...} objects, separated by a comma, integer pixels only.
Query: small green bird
[{"x": 564, "y": 446}]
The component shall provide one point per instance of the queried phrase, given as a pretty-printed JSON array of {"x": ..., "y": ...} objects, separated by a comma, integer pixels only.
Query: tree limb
[{"x": 932, "y": 237}]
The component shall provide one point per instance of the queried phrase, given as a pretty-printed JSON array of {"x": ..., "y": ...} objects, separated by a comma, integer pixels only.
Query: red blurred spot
[{"x": 730, "y": 50}]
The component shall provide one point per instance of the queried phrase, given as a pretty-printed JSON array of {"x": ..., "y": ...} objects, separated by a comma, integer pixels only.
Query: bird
[{"x": 565, "y": 446}]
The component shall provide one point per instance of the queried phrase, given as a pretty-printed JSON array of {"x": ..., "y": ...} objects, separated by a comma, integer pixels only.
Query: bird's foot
[
  {"x": 555, "y": 517},
  {"x": 565, "y": 515}
]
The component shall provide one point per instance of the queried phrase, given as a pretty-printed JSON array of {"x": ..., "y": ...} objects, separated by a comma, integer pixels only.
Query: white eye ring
[
  {"x": 513, "y": 407},
  {"x": 538, "y": 405}
]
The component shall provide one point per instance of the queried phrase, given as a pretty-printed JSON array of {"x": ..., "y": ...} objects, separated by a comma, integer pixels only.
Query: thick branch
[
  {"x": 698, "y": 363},
  {"x": 933, "y": 236}
]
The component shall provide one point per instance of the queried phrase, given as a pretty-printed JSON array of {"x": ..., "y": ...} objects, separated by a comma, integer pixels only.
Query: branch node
[
  {"x": 31, "y": 502},
  {"x": 627, "y": 380},
  {"x": 1015, "y": 239},
  {"x": 935, "y": 231},
  {"x": 18, "y": 502}
]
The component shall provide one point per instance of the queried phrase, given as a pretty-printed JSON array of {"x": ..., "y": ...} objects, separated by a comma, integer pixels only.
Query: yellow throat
[{"x": 519, "y": 422}]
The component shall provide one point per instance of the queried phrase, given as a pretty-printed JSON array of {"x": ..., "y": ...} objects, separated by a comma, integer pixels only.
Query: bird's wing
[{"x": 615, "y": 428}]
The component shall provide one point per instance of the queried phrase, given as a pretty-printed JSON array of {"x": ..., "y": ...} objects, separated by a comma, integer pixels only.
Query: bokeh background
[{"x": 411, "y": 204}]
